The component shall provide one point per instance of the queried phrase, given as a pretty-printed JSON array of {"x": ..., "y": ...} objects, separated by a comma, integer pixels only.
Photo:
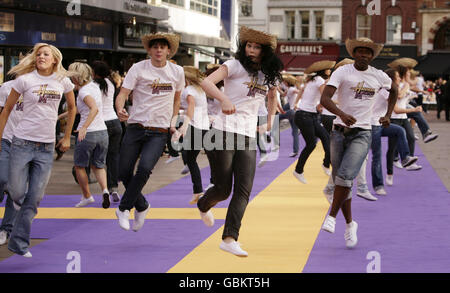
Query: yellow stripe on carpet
[
  {"x": 108, "y": 214},
  {"x": 278, "y": 231}
]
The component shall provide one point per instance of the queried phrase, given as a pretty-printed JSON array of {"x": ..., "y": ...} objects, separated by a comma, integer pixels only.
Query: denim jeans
[
  {"x": 193, "y": 144},
  {"x": 409, "y": 136},
  {"x": 10, "y": 211},
  {"x": 348, "y": 153},
  {"x": 295, "y": 131},
  {"x": 327, "y": 122},
  {"x": 421, "y": 122},
  {"x": 30, "y": 167},
  {"x": 112, "y": 157},
  {"x": 147, "y": 144},
  {"x": 92, "y": 150},
  {"x": 230, "y": 165}
]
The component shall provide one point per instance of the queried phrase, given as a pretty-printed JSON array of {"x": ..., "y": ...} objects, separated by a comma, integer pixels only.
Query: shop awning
[
  {"x": 300, "y": 63},
  {"x": 435, "y": 64}
]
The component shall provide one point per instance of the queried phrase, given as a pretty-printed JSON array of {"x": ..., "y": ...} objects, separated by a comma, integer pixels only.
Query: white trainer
[
  {"x": 326, "y": 170},
  {"x": 413, "y": 167},
  {"x": 85, "y": 202},
  {"x": 390, "y": 180},
  {"x": 367, "y": 195},
  {"x": 329, "y": 197},
  {"x": 209, "y": 186},
  {"x": 380, "y": 191},
  {"x": 124, "y": 219},
  {"x": 3, "y": 237},
  {"x": 300, "y": 177},
  {"x": 171, "y": 159},
  {"x": 234, "y": 248},
  {"x": 207, "y": 218},
  {"x": 28, "y": 254},
  {"x": 195, "y": 197},
  {"x": 263, "y": 160},
  {"x": 139, "y": 219},
  {"x": 408, "y": 161},
  {"x": 350, "y": 234},
  {"x": 430, "y": 137},
  {"x": 185, "y": 170},
  {"x": 398, "y": 164},
  {"x": 329, "y": 224},
  {"x": 293, "y": 154}
]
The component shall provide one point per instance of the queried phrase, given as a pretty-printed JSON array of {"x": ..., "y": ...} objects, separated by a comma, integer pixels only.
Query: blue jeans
[
  {"x": 348, "y": 153},
  {"x": 421, "y": 122},
  {"x": 30, "y": 163},
  {"x": 392, "y": 131},
  {"x": 295, "y": 131},
  {"x": 10, "y": 211},
  {"x": 147, "y": 144}
]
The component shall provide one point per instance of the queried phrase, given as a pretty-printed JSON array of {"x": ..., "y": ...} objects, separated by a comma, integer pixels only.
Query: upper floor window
[
  {"x": 175, "y": 2},
  {"x": 245, "y": 8},
  {"x": 290, "y": 24},
  {"x": 206, "y": 6},
  {"x": 304, "y": 24},
  {"x": 318, "y": 15},
  {"x": 363, "y": 24},
  {"x": 394, "y": 29}
]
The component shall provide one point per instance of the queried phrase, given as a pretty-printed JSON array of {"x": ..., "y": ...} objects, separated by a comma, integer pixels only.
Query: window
[
  {"x": 245, "y": 8},
  {"x": 318, "y": 15},
  {"x": 206, "y": 6},
  {"x": 290, "y": 25},
  {"x": 363, "y": 24},
  {"x": 175, "y": 2},
  {"x": 304, "y": 24},
  {"x": 394, "y": 29}
]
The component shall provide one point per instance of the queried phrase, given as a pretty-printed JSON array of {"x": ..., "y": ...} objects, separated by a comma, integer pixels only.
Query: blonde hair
[
  {"x": 28, "y": 63},
  {"x": 81, "y": 72}
]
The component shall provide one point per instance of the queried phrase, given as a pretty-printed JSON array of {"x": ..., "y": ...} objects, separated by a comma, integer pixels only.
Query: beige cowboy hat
[
  {"x": 290, "y": 79},
  {"x": 350, "y": 45},
  {"x": 344, "y": 62},
  {"x": 212, "y": 65},
  {"x": 173, "y": 39},
  {"x": 250, "y": 35},
  {"x": 319, "y": 66},
  {"x": 414, "y": 73},
  {"x": 192, "y": 73},
  {"x": 405, "y": 61}
]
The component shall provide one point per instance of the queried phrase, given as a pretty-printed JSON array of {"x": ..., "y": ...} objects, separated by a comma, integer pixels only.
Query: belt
[
  {"x": 347, "y": 130},
  {"x": 163, "y": 130}
]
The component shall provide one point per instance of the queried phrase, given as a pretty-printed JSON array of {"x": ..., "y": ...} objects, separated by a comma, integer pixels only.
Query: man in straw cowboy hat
[
  {"x": 357, "y": 85},
  {"x": 156, "y": 85},
  {"x": 248, "y": 79}
]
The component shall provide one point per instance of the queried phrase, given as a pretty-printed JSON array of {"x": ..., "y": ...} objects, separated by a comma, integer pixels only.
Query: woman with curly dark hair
[{"x": 248, "y": 79}]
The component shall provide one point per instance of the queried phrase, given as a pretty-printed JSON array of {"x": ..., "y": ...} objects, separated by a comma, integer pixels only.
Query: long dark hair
[
  {"x": 402, "y": 70},
  {"x": 270, "y": 65},
  {"x": 318, "y": 73},
  {"x": 101, "y": 71}
]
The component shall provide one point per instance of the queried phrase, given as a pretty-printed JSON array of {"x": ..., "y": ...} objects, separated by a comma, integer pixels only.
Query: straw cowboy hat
[
  {"x": 344, "y": 62},
  {"x": 406, "y": 62},
  {"x": 414, "y": 73},
  {"x": 212, "y": 65},
  {"x": 173, "y": 39},
  {"x": 290, "y": 79},
  {"x": 351, "y": 45},
  {"x": 259, "y": 37},
  {"x": 192, "y": 73},
  {"x": 319, "y": 66}
]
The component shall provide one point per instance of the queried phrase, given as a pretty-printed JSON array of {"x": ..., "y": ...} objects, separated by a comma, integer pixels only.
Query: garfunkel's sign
[{"x": 307, "y": 48}]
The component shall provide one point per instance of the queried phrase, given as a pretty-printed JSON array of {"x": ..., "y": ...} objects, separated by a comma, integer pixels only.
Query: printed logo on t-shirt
[
  {"x": 363, "y": 92},
  {"x": 255, "y": 88},
  {"x": 160, "y": 87},
  {"x": 19, "y": 104},
  {"x": 45, "y": 95}
]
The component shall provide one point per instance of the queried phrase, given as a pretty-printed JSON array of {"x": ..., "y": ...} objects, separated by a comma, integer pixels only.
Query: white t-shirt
[
  {"x": 153, "y": 92},
  {"x": 200, "y": 119},
  {"x": 108, "y": 102},
  {"x": 380, "y": 106},
  {"x": 90, "y": 89},
  {"x": 356, "y": 91},
  {"x": 311, "y": 95},
  {"x": 41, "y": 98},
  {"x": 292, "y": 94},
  {"x": 16, "y": 113},
  {"x": 334, "y": 99},
  {"x": 246, "y": 93},
  {"x": 401, "y": 103},
  {"x": 420, "y": 83}
]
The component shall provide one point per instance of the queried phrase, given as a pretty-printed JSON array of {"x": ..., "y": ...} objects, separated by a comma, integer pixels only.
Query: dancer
[
  {"x": 156, "y": 85},
  {"x": 102, "y": 75},
  {"x": 291, "y": 94},
  {"x": 350, "y": 140},
  {"x": 42, "y": 80},
  {"x": 307, "y": 119},
  {"x": 248, "y": 79},
  {"x": 92, "y": 141}
]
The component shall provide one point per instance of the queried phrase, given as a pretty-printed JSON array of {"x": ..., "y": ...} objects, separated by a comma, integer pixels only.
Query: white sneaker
[
  {"x": 429, "y": 137},
  {"x": 413, "y": 167},
  {"x": 300, "y": 177},
  {"x": 234, "y": 248},
  {"x": 329, "y": 197},
  {"x": 398, "y": 164},
  {"x": 208, "y": 187},
  {"x": 195, "y": 198},
  {"x": 390, "y": 180},
  {"x": 171, "y": 159},
  {"x": 263, "y": 160},
  {"x": 380, "y": 191},
  {"x": 409, "y": 161},
  {"x": 350, "y": 234},
  {"x": 416, "y": 137},
  {"x": 293, "y": 154},
  {"x": 139, "y": 219},
  {"x": 367, "y": 195},
  {"x": 3, "y": 237},
  {"x": 28, "y": 254},
  {"x": 185, "y": 170},
  {"x": 207, "y": 218},
  {"x": 85, "y": 202},
  {"x": 326, "y": 170},
  {"x": 124, "y": 219},
  {"x": 329, "y": 224}
]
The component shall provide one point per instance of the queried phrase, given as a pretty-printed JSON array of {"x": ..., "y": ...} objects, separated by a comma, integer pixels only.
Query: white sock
[
  {"x": 349, "y": 225},
  {"x": 106, "y": 190}
]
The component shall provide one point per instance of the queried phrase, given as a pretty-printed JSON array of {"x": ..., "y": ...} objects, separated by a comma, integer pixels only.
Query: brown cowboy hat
[
  {"x": 405, "y": 61},
  {"x": 344, "y": 62},
  {"x": 290, "y": 79},
  {"x": 173, "y": 39},
  {"x": 319, "y": 66},
  {"x": 192, "y": 73},
  {"x": 250, "y": 35},
  {"x": 350, "y": 45}
]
